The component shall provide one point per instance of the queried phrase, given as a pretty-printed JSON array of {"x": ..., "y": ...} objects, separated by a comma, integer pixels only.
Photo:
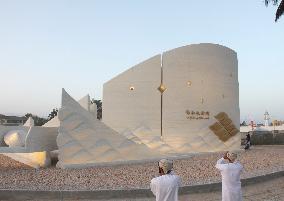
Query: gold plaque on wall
[{"x": 224, "y": 128}]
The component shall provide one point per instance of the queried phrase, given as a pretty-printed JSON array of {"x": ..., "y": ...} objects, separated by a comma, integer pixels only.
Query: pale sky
[{"x": 49, "y": 44}]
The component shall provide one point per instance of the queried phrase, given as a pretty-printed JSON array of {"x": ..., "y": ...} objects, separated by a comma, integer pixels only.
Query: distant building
[
  {"x": 277, "y": 123},
  {"x": 266, "y": 118},
  {"x": 11, "y": 120}
]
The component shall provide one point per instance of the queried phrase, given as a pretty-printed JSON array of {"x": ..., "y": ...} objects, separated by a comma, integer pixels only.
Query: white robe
[
  {"x": 165, "y": 187},
  {"x": 231, "y": 183}
]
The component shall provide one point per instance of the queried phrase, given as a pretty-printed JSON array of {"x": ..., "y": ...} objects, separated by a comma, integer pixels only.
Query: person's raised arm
[{"x": 221, "y": 163}]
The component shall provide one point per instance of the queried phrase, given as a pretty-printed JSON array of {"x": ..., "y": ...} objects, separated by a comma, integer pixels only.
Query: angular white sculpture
[
  {"x": 35, "y": 139},
  {"x": 148, "y": 137},
  {"x": 145, "y": 136},
  {"x": 85, "y": 102},
  {"x": 83, "y": 140},
  {"x": 54, "y": 122},
  {"x": 29, "y": 122},
  {"x": 41, "y": 139},
  {"x": 30, "y": 147},
  {"x": 196, "y": 83},
  {"x": 15, "y": 138}
]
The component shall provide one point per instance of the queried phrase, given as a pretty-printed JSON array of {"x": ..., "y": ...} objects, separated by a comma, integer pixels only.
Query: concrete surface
[{"x": 272, "y": 189}]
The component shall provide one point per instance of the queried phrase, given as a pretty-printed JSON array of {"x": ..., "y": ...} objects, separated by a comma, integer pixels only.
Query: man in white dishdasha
[
  {"x": 165, "y": 187},
  {"x": 230, "y": 170}
]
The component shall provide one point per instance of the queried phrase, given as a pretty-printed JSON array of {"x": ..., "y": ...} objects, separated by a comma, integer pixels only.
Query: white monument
[
  {"x": 189, "y": 96},
  {"x": 183, "y": 101}
]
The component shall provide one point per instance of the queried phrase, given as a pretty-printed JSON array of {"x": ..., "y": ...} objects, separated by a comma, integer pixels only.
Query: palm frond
[
  {"x": 268, "y": 1},
  {"x": 280, "y": 10}
]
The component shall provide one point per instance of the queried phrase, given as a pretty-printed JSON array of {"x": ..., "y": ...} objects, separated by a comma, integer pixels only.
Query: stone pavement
[{"x": 272, "y": 190}]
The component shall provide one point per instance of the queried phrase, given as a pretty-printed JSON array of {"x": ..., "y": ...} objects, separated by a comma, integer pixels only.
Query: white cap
[
  {"x": 232, "y": 156},
  {"x": 166, "y": 165}
]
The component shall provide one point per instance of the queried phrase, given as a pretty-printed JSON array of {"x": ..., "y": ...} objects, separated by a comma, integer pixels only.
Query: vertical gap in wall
[{"x": 161, "y": 96}]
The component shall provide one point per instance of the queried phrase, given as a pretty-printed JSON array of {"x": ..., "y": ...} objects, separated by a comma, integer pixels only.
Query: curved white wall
[
  {"x": 212, "y": 71},
  {"x": 200, "y": 78},
  {"x": 125, "y": 108}
]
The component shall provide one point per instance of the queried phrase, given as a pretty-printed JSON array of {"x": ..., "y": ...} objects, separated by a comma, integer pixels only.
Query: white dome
[{"x": 15, "y": 138}]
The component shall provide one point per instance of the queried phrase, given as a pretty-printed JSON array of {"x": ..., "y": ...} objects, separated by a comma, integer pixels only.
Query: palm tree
[
  {"x": 99, "y": 107},
  {"x": 280, "y": 9},
  {"x": 52, "y": 114}
]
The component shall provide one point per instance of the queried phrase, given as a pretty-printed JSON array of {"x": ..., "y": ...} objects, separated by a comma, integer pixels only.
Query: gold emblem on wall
[
  {"x": 162, "y": 88},
  {"x": 224, "y": 128}
]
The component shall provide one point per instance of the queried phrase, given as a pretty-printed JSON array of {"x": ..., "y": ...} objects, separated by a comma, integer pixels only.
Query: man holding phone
[
  {"x": 230, "y": 170},
  {"x": 165, "y": 187}
]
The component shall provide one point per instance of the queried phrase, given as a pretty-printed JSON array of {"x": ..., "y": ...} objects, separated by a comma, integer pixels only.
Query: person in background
[
  {"x": 248, "y": 143},
  {"x": 165, "y": 187},
  {"x": 230, "y": 170}
]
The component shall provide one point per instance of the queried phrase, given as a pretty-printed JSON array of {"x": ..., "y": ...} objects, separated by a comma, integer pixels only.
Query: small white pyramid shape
[
  {"x": 54, "y": 122},
  {"x": 30, "y": 122},
  {"x": 85, "y": 102}
]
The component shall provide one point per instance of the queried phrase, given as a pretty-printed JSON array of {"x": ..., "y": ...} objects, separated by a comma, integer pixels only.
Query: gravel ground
[
  {"x": 272, "y": 190},
  {"x": 198, "y": 169}
]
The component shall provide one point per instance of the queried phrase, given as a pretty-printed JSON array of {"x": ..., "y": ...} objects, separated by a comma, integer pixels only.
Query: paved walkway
[
  {"x": 266, "y": 191},
  {"x": 272, "y": 190}
]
